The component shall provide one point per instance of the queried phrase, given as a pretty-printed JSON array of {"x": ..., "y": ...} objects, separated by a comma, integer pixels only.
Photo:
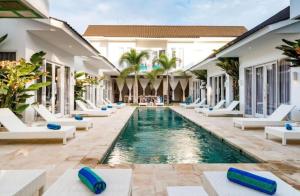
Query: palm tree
[
  {"x": 231, "y": 66},
  {"x": 3, "y": 38},
  {"x": 292, "y": 50},
  {"x": 152, "y": 76},
  {"x": 134, "y": 59},
  {"x": 166, "y": 65}
]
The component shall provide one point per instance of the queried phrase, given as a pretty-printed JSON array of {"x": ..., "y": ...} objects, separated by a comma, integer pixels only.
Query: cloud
[{"x": 173, "y": 12}]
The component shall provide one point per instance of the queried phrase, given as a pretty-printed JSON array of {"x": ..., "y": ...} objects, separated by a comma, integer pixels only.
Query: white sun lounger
[
  {"x": 51, "y": 118},
  {"x": 17, "y": 130},
  {"x": 275, "y": 119},
  {"x": 197, "y": 105},
  {"x": 22, "y": 182},
  {"x": 217, "y": 184},
  {"x": 186, "y": 191},
  {"x": 143, "y": 104},
  {"x": 118, "y": 106},
  {"x": 216, "y": 107},
  {"x": 229, "y": 111},
  {"x": 89, "y": 112},
  {"x": 93, "y": 106},
  {"x": 118, "y": 183},
  {"x": 195, "y": 102},
  {"x": 283, "y": 133}
]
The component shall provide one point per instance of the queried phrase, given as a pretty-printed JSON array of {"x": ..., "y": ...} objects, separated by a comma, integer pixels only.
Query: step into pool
[{"x": 162, "y": 136}]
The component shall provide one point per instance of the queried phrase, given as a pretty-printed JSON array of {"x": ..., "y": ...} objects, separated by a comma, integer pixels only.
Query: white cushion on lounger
[
  {"x": 17, "y": 130},
  {"x": 197, "y": 105},
  {"x": 51, "y": 118},
  {"x": 118, "y": 183},
  {"x": 22, "y": 182},
  {"x": 217, "y": 184},
  {"x": 275, "y": 119},
  {"x": 93, "y": 106},
  {"x": 216, "y": 107},
  {"x": 89, "y": 112},
  {"x": 186, "y": 191},
  {"x": 228, "y": 111},
  {"x": 195, "y": 102},
  {"x": 283, "y": 133}
]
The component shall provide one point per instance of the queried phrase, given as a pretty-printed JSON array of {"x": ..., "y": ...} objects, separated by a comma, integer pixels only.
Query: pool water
[{"x": 160, "y": 135}]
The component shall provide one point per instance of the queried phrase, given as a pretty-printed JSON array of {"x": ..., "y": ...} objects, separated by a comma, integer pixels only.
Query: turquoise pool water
[{"x": 160, "y": 135}]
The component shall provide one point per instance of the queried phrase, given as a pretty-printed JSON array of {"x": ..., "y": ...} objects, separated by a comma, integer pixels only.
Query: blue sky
[{"x": 80, "y": 13}]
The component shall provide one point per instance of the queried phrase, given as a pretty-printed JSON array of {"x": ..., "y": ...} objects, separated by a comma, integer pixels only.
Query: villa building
[
  {"x": 190, "y": 44},
  {"x": 266, "y": 79},
  {"x": 66, "y": 52}
]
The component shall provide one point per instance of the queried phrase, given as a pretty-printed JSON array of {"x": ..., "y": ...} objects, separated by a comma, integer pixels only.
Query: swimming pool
[{"x": 160, "y": 135}]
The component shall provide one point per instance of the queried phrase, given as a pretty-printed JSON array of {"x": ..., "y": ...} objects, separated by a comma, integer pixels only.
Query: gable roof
[
  {"x": 156, "y": 31},
  {"x": 280, "y": 16}
]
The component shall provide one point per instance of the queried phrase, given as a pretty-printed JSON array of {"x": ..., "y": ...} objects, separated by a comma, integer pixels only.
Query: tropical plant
[
  {"x": 81, "y": 81},
  {"x": 200, "y": 74},
  {"x": 292, "y": 50},
  {"x": 166, "y": 64},
  {"x": 231, "y": 66},
  {"x": 152, "y": 76},
  {"x": 15, "y": 77},
  {"x": 3, "y": 38},
  {"x": 134, "y": 59}
]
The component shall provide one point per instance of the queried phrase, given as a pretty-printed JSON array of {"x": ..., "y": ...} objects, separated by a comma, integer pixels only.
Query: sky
[{"x": 81, "y": 13}]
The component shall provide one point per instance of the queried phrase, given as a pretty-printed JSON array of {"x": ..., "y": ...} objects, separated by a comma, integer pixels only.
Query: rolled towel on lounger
[
  {"x": 78, "y": 117},
  {"x": 91, "y": 180},
  {"x": 210, "y": 108},
  {"x": 252, "y": 181},
  {"x": 109, "y": 106},
  {"x": 104, "y": 108},
  {"x": 288, "y": 126},
  {"x": 53, "y": 126}
]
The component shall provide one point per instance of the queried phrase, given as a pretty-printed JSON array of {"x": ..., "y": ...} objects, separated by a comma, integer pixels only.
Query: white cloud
[{"x": 184, "y": 12}]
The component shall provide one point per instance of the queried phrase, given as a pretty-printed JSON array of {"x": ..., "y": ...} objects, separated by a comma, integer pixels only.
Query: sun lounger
[
  {"x": 118, "y": 106},
  {"x": 90, "y": 112},
  {"x": 217, "y": 184},
  {"x": 159, "y": 102},
  {"x": 17, "y": 130},
  {"x": 93, "y": 106},
  {"x": 197, "y": 105},
  {"x": 51, "y": 118},
  {"x": 275, "y": 119},
  {"x": 229, "y": 111},
  {"x": 283, "y": 133},
  {"x": 216, "y": 107},
  {"x": 143, "y": 104},
  {"x": 22, "y": 182},
  {"x": 118, "y": 183},
  {"x": 195, "y": 102},
  {"x": 186, "y": 191}
]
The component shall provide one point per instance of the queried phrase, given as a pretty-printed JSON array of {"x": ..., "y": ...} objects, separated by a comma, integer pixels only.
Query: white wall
[{"x": 263, "y": 51}]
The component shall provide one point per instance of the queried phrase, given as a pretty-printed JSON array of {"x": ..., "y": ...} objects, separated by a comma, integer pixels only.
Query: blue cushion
[
  {"x": 288, "y": 126},
  {"x": 210, "y": 108},
  {"x": 90, "y": 179},
  {"x": 78, "y": 117},
  {"x": 104, "y": 108},
  {"x": 109, "y": 106},
  {"x": 53, "y": 126}
]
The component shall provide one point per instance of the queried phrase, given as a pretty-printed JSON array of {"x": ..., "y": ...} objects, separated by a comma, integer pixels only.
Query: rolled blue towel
[
  {"x": 91, "y": 180},
  {"x": 78, "y": 117},
  {"x": 104, "y": 108},
  {"x": 252, "y": 181},
  {"x": 288, "y": 126},
  {"x": 53, "y": 126},
  {"x": 119, "y": 103},
  {"x": 210, "y": 108},
  {"x": 109, "y": 106}
]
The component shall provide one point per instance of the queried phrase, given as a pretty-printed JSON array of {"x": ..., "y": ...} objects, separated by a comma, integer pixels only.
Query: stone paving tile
[{"x": 149, "y": 179}]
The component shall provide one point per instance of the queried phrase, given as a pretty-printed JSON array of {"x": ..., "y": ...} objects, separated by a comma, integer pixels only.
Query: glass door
[
  {"x": 271, "y": 104},
  {"x": 67, "y": 84},
  {"x": 259, "y": 91},
  {"x": 248, "y": 91}
]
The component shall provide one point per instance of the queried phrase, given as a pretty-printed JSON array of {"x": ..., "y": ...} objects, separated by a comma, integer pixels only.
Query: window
[
  {"x": 8, "y": 56},
  {"x": 284, "y": 84}
]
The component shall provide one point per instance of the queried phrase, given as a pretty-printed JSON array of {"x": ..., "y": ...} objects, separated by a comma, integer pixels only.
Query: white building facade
[
  {"x": 266, "y": 79},
  {"x": 190, "y": 44},
  {"x": 66, "y": 53}
]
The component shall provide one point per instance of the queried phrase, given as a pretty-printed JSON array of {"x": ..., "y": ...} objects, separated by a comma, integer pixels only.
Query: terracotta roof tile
[{"x": 145, "y": 31}]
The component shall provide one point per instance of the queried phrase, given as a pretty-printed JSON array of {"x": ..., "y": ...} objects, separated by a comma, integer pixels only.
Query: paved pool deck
[{"x": 89, "y": 146}]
